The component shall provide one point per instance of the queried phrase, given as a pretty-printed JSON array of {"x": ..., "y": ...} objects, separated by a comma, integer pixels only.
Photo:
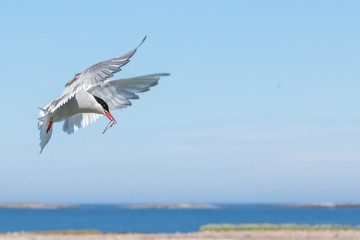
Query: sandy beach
[{"x": 228, "y": 235}]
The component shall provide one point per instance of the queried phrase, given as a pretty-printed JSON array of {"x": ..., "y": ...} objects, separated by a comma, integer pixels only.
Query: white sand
[{"x": 226, "y": 235}]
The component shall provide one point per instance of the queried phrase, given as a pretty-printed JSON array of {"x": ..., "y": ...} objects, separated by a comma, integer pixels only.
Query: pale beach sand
[{"x": 209, "y": 235}]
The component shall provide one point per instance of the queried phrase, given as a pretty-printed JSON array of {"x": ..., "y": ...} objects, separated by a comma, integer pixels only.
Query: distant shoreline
[
  {"x": 170, "y": 206},
  {"x": 39, "y": 205},
  {"x": 36, "y": 205},
  {"x": 321, "y": 205}
]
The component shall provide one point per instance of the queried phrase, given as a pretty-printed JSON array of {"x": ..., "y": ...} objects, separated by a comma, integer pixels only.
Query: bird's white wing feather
[
  {"x": 116, "y": 93},
  {"x": 74, "y": 123},
  {"x": 43, "y": 123},
  {"x": 93, "y": 75}
]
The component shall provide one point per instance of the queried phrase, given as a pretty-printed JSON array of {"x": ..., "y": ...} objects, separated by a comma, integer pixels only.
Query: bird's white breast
[{"x": 82, "y": 102}]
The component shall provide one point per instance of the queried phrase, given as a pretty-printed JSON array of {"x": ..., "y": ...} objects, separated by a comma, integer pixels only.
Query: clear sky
[{"x": 262, "y": 104}]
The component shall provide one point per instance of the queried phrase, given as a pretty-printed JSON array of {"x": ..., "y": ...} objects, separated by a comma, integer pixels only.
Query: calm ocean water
[{"x": 108, "y": 218}]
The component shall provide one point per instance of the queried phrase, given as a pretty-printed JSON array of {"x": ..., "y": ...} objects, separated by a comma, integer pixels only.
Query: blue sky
[{"x": 262, "y": 104}]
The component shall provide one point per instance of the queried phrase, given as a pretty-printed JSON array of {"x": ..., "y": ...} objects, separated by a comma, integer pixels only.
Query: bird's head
[{"x": 104, "y": 108}]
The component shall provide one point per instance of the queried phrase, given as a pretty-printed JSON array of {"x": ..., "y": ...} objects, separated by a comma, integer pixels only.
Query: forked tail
[{"x": 45, "y": 127}]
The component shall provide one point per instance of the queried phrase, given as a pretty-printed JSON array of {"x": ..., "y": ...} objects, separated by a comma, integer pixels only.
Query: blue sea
[{"x": 110, "y": 218}]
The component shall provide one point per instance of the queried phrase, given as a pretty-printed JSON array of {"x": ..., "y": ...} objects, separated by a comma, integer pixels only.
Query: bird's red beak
[{"x": 109, "y": 116}]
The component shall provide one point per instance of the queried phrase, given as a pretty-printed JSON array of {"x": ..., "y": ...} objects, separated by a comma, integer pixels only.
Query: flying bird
[{"x": 90, "y": 95}]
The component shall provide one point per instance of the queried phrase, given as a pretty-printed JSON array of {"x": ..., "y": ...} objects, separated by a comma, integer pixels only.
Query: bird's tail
[{"x": 45, "y": 127}]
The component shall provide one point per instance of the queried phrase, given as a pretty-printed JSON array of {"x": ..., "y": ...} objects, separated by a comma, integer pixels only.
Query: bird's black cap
[{"x": 102, "y": 103}]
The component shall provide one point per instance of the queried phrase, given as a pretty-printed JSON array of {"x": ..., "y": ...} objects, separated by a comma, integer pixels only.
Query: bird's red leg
[{"x": 49, "y": 127}]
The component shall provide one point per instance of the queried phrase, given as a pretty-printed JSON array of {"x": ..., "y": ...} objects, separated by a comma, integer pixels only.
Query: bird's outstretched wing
[
  {"x": 116, "y": 93},
  {"x": 93, "y": 75}
]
